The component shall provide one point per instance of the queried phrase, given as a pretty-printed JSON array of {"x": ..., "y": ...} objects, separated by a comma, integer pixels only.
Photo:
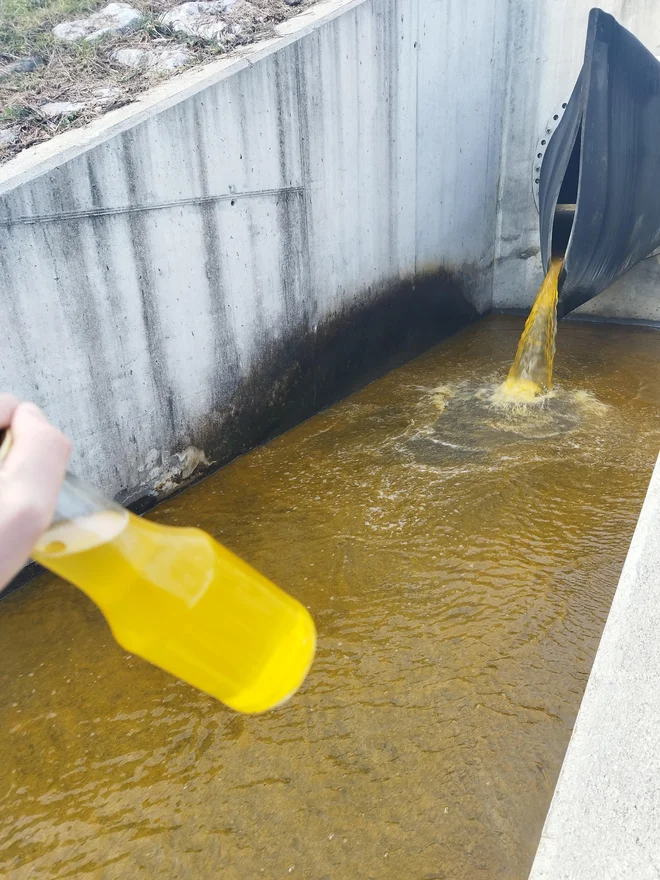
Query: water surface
[{"x": 459, "y": 561}]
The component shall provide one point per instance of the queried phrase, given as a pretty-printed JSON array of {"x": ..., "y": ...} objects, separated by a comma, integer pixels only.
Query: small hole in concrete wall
[
  {"x": 555, "y": 116},
  {"x": 539, "y": 155},
  {"x": 233, "y": 202},
  {"x": 542, "y": 143},
  {"x": 414, "y": 45},
  {"x": 537, "y": 180},
  {"x": 563, "y": 106}
]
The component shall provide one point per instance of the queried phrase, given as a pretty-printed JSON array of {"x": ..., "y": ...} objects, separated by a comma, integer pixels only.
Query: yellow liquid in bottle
[{"x": 183, "y": 602}]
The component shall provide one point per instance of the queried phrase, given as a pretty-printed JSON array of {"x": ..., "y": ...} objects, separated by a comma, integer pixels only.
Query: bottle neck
[{"x": 76, "y": 499}]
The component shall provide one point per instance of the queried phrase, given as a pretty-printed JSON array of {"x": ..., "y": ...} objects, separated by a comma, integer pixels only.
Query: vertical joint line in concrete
[{"x": 416, "y": 41}]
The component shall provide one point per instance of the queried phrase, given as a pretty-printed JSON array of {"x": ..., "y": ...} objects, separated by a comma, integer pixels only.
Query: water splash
[
  {"x": 470, "y": 421},
  {"x": 531, "y": 372}
]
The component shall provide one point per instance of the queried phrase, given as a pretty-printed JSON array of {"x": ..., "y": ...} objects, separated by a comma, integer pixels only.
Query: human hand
[{"x": 30, "y": 481}]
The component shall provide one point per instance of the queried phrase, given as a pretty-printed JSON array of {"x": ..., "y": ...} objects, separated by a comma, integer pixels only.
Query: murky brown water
[{"x": 459, "y": 562}]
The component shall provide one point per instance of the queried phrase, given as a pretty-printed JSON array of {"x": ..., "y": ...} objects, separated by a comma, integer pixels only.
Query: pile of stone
[{"x": 201, "y": 19}]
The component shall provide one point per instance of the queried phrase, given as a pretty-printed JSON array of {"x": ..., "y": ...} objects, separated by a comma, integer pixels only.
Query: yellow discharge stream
[{"x": 531, "y": 371}]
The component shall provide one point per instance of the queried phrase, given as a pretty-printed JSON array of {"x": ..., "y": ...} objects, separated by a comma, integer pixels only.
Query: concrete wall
[
  {"x": 192, "y": 274},
  {"x": 545, "y": 48}
]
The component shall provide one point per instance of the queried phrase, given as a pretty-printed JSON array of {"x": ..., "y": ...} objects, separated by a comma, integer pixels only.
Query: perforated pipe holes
[{"x": 541, "y": 146}]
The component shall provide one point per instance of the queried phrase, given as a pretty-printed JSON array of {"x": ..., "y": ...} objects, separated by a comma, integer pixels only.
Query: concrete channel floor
[{"x": 604, "y": 820}]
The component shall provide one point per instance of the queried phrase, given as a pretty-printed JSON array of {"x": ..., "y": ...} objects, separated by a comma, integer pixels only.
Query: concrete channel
[{"x": 200, "y": 271}]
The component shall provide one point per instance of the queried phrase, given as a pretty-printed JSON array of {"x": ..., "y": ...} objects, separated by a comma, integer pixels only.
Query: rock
[
  {"x": 156, "y": 60},
  {"x": 198, "y": 18},
  {"x": 171, "y": 59},
  {"x": 115, "y": 18},
  {"x": 25, "y": 65},
  {"x": 57, "y": 109},
  {"x": 135, "y": 58},
  {"x": 7, "y": 137},
  {"x": 105, "y": 96}
]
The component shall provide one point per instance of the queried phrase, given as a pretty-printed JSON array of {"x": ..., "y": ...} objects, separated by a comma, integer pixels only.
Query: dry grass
[{"x": 73, "y": 72}]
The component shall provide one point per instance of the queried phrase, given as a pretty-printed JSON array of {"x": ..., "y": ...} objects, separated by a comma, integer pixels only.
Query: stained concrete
[{"x": 192, "y": 275}]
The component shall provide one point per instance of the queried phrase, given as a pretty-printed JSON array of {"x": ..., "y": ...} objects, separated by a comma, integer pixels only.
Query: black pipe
[{"x": 599, "y": 187}]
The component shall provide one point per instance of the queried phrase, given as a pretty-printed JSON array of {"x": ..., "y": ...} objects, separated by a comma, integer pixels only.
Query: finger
[
  {"x": 38, "y": 457},
  {"x": 31, "y": 410},
  {"x": 8, "y": 404}
]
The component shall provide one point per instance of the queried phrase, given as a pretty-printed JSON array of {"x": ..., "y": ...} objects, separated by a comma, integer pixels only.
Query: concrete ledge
[{"x": 604, "y": 820}]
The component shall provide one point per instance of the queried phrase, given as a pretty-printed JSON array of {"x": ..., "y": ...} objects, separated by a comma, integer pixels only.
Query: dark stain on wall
[
  {"x": 310, "y": 369},
  {"x": 307, "y": 371}
]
